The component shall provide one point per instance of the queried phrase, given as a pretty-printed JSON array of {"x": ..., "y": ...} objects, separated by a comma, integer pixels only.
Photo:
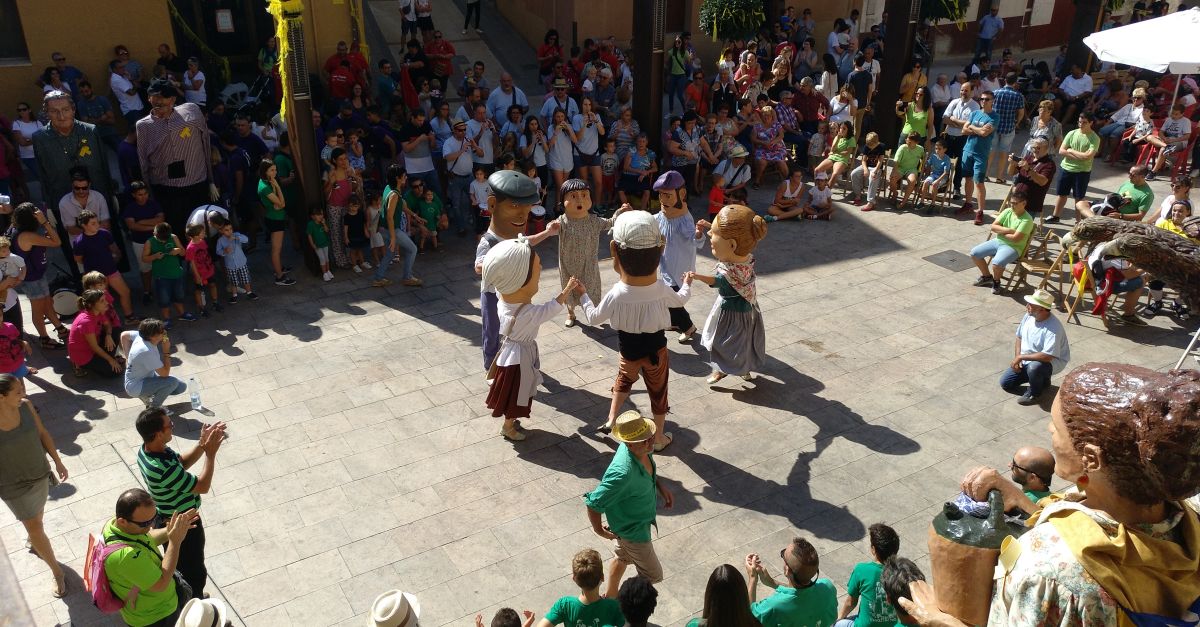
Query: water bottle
[{"x": 194, "y": 388}]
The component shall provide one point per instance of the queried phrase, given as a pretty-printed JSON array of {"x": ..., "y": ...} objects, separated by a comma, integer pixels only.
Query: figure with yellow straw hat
[{"x": 627, "y": 498}]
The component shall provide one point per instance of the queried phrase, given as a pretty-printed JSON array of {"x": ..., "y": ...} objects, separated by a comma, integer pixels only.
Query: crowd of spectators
[{"x": 200, "y": 187}]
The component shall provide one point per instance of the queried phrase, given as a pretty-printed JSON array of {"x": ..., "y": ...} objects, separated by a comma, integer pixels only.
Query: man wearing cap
[
  {"x": 512, "y": 195},
  {"x": 734, "y": 171},
  {"x": 457, "y": 151},
  {"x": 682, "y": 237},
  {"x": 558, "y": 100},
  {"x": 627, "y": 498},
  {"x": 1040, "y": 350},
  {"x": 173, "y": 148}
]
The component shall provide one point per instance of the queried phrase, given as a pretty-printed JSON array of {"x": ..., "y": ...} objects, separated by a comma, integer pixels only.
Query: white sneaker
[
  {"x": 478, "y": 31},
  {"x": 366, "y": 265},
  {"x": 464, "y": 31},
  {"x": 328, "y": 276},
  {"x": 357, "y": 269}
]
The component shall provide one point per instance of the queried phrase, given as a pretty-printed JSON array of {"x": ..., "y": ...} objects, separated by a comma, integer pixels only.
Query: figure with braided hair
[
  {"x": 734, "y": 333},
  {"x": 1122, "y": 547}
]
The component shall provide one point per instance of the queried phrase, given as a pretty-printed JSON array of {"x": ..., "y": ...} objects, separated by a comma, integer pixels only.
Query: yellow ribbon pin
[
  {"x": 85, "y": 151},
  {"x": 186, "y": 132}
]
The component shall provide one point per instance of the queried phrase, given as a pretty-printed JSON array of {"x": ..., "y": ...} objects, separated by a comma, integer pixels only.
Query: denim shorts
[
  {"x": 976, "y": 165},
  {"x": 1002, "y": 254},
  {"x": 1073, "y": 183},
  {"x": 168, "y": 291},
  {"x": 35, "y": 289},
  {"x": 1128, "y": 285},
  {"x": 584, "y": 161},
  {"x": 1004, "y": 141}
]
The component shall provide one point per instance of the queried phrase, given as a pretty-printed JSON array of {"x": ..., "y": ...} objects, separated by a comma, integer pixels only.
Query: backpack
[{"x": 95, "y": 580}]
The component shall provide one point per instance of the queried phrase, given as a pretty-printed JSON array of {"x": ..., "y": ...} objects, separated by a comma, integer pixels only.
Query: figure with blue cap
[{"x": 682, "y": 237}]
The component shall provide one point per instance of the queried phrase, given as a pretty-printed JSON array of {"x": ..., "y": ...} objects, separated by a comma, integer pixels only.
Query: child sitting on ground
[
  {"x": 863, "y": 590},
  {"x": 819, "y": 205},
  {"x": 97, "y": 281},
  {"x": 203, "y": 269},
  {"x": 237, "y": 269},
  {"x": 318, "y": 239}
]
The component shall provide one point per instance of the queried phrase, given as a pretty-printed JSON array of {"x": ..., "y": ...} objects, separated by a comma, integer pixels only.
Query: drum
[{"x": 66, "y": 302}]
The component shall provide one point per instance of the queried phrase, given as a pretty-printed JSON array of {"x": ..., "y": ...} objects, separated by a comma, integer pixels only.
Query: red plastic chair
[{"x": 1180, "y": 167}]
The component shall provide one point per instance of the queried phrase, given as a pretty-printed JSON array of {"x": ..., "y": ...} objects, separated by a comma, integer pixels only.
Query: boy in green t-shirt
[
  {"x": 1012, "y": 229},
  {"x": 864, "y": 589},
  {"x": 318, "y": 238},
  {"x": 588, "y": 608},
  {"x": 908, "y": 167},
  {"x": 430, "y": 210}
]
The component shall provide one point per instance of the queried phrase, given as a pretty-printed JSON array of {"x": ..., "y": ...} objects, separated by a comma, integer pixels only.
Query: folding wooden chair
[{"x": 1040, "y": 260}]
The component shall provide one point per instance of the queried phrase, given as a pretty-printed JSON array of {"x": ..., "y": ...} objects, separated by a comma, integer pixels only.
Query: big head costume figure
[
  {"x": 734, "y": 334},
  {"x": 579, "y": 241},
  {"x": 683, "y": 237}
]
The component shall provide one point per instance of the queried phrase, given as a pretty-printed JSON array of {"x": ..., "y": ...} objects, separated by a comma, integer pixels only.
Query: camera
[{"x": 1012, "y": 156}]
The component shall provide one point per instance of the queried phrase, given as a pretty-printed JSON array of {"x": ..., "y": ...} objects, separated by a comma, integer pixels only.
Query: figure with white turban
[{"x": 513, "y": 269}]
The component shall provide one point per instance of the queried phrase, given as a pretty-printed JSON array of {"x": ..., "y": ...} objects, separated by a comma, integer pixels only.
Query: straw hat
[
  {"x": 632, "y": 427},
  {"x": 1040, "y": 298},
  {"x": 395, "y": 609},
  {"x": 203, "y": 613}
]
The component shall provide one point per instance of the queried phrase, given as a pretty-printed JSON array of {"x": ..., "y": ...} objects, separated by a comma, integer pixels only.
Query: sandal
[
  {"x": 46, "y": 341},
  {"x": 63, "y": 333},
  {"x": 79, "y": 372},
  {"x": 668, "y": 437},
  {"x": 714, "y": 377},
  {"x": 60, "y": 590}
]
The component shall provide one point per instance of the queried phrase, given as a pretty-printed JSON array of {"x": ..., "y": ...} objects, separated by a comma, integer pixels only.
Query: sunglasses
[
  {"x": 985, "y": 100},
  {"x": 339, "y": 135},
  {"x": 79, "y": 189},
  {"x": 22, "y": 109},
  {"x": 1015, "y": 466},
  {"x": 60, "y": 59},
  {"x": 145, "y": 523}
]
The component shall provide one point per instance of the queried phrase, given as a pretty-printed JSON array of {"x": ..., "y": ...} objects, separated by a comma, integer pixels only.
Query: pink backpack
[{"x": 95, "y": 580}]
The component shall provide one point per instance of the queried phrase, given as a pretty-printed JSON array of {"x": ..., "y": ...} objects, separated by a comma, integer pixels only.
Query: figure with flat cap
[
  {"x": 512, "y": 268},
  {"x": 511, "y": 195}
]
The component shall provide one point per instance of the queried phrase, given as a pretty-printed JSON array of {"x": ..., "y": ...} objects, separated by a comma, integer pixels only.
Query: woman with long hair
[
  {"x": 726, "y": 601},
  {"x": 394, "y": 225},
  {"x": 340, "y": 185},
  {"x": 534, "y": 148},
  {"x": 92, "y": 345},
  {"x": 805, "y": 63},
  {"x": 679, "y": 72},
  {"x": 561, "y": 143},
  {"x": 52, "y": 80},
  {"x": 911, "y": 80},
  {"x": 917, "y": 117},
  {"x": 25, "y": 475},
  {"x": 32, "y": 236},
  {"x": 548, "y": 54},
  {"x": 828, "y": 85},
  {"x": 589, "y": 128},
  {"x": 270, "y": 194}
]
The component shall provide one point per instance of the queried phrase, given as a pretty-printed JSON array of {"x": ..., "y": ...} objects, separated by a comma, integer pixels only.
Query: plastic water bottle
[{"x": 194, "y": 388}]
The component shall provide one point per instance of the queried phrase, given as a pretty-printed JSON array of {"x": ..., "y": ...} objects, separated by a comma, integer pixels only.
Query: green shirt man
[
  {"x": 1141, "y": 197},
  {"x": 814, "y": 606}
]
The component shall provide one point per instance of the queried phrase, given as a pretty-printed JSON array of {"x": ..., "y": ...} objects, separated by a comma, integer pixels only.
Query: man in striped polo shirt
[{"x": 175, "y": 489}]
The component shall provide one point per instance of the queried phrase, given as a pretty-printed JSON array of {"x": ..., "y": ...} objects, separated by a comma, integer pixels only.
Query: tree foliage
[
  {"x": 731, "y": 19},
  {"x": 953, "y": 10}
]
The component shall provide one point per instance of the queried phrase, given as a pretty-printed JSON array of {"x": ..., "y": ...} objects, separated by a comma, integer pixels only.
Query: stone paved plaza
[{"x": 361, "y": 456}]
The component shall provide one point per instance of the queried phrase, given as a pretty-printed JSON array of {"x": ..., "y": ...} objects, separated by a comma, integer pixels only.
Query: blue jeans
[
  {"x": 1035, "y": 373},
  {"x": 155, "y": 390},
  {"x": 459, "y": 201},
  {"x": 1002, "y": 254},
  {"x": 1112, "y": 131},
  {"x": 676, "y": 86},
  {"x": 405, "y": 245}
]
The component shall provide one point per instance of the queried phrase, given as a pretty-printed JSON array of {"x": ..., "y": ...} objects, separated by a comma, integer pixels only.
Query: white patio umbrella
[{"x": 1164, "y": 44}]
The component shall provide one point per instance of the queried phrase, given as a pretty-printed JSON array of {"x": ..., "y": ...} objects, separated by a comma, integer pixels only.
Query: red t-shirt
[
  {"x": 335, "y": 61},
  {"x": 78, "y": 349},
  {"x": 12, "y": 350},
  {"x": 197, "y": 253},
  {"x": 546, "y": 50},
  {"x": 698, "y": 95},
  {"x": 341, "y": 83},
  {"x": 441, "y": 67}
]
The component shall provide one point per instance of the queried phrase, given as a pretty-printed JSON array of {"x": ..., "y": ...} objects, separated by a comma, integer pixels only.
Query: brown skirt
[{"x": 502, "y": 395}]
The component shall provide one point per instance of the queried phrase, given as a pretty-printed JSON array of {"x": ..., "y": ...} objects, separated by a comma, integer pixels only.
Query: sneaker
[
  {"x": 978, "y": 217},
  {"x": 233, "y": 299},
  {"x": 997, "y": 290},
  {"x": 188, "y": 317},
  {"x": 251, "y": 296},
  {"x": 478, "y": 31},
  {"x": 1051, "y": 220},
  {"x": 381, "y": 282},
  {"x": 412, "y": 282},
  {"x": 983, "y": 281},
  {"x": 1181, "y": 310},
  {"x": 1153, "y": 308},
  {"x": 357, "y": 269},
  {"x": 1151, "y": 176},
  {"x": 464, "y": 31},
  {"x": 366, "y": 265},
  {"x": 328, "y": 276},
  {"x": 1026, "y": 399},
  {"x": 770, "y": 218},
  {"x": 284, "y": 279}
]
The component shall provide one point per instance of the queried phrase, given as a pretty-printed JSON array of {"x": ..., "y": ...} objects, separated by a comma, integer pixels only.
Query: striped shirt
[
  {"x": 168, "y": 482},
  {"x": 174, "y": 151}
]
